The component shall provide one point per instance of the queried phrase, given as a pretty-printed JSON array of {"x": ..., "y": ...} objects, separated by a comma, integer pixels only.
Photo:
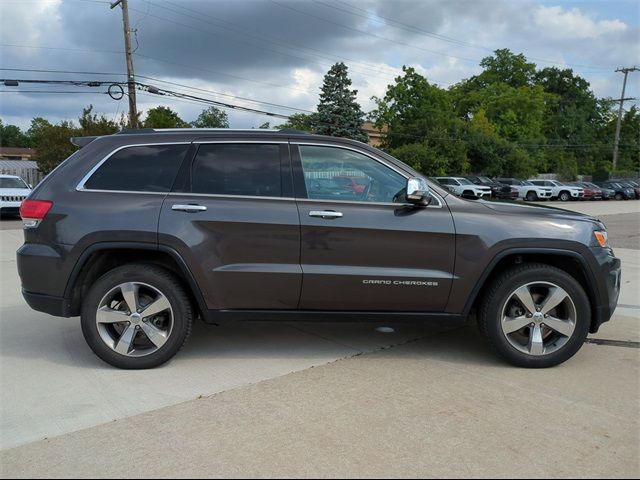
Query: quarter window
[
  {"x": 150, "y": 168},
  {"x": 332, "y": 173},
  {"x": 237, "y": 169}
]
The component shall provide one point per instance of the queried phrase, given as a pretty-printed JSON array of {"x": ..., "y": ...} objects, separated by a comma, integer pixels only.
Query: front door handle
[
  {"x": 326, "y": 214},
  {"x": 189, "y": 208}
]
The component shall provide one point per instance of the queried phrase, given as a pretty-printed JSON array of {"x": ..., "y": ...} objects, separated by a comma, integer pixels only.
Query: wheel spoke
[
  {"x": 125, "y": 342},
  {"x": 524, "y": 296},
  {"x": 157, "y": 336},
  {"x": 159, "y": 305},
  {"x": 109, "y": 315},
  {"x": 513, "y": 324},
  {"x": 130, "y": 294},
  {"x": 555, "y": 297},
  {"x": 536, "y": 343},
  {"x": 563, "y": 327}
]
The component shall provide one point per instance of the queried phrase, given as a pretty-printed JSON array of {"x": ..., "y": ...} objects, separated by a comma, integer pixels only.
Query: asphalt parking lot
[{"x": 326, "y": 400}]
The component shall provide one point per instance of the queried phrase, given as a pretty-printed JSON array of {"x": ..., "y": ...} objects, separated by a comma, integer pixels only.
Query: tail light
[{"x": 34, "y": 211}]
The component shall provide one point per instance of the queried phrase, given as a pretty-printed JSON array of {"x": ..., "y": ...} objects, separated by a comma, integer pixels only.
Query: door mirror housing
[{"x": 418, "y": 191}]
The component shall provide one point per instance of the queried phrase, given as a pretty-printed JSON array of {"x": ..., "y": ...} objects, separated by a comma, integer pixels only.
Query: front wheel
[
  {"x": 136, "y": 316},
  {"x": 532, "y": 196},
  {"x": 535, "y": 316},
  {"x": 565, "y": 197}
]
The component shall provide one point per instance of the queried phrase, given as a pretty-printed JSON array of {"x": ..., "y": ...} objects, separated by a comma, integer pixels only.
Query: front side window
[
  {"x": 237, "y": 169},
  {"x": 149, "y": 168},
  {"x": 326, "y": 168}
]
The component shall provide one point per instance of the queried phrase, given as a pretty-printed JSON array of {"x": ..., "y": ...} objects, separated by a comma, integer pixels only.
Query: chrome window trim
[
  {"x": 219, "y": 195},
  {"x": 376, "y": 159},
  {"x": 264, "y": 142},
  {"x": 81, "y": 188}
]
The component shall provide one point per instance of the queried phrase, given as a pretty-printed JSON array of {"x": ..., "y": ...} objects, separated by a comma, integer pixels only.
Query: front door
[{"x": 362, "y": 248}]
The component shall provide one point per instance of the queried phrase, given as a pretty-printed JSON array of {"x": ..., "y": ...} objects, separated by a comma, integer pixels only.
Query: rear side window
[
  {"x": 149, "y": 168},
  {"x": 237, "y": 169}
]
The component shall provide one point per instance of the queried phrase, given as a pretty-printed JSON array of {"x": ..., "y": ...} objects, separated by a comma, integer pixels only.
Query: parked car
[
  {"x": 590, "y": 193},
  {"x": 356, "y": 184},
  {"x": 527, "y": 190},
  {"x": 620, "y": 192},
  {"x": 498, "y": 190},
  {"x": 143, "y": 232},
  {"x": 461, "y": 186},
  {"x": 13, "y": 190},
  {"x": 607, "y": 193},
  {"x": 559, "y": 190},
  {"x": 631, "y": 184}
]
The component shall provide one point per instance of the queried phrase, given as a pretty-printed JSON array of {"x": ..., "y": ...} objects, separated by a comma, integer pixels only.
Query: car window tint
[
  {"x": 237, "y": 169},
  {"x": 374, "y": 182},
  {"x": 149, "y": 168}
]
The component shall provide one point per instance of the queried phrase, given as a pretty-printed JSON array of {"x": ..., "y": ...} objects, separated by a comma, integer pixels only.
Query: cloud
[{"x": 278, "y": 51}]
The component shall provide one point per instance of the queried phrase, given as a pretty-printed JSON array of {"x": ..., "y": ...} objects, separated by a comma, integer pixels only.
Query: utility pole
[
  {"x": 131, "y": 80},
  {"x": 618, "y": 125}
]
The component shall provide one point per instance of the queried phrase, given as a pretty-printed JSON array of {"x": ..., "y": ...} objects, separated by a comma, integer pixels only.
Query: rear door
[
  {"x": 232, "y": 217},
  {"x": 369, "y": 251}
]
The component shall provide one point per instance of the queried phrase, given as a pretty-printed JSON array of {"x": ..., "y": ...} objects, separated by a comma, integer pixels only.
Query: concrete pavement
[{"x": 436, "y": 404}]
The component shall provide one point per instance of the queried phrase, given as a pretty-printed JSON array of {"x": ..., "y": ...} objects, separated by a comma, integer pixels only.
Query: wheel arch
[
  {"x": 567, "y": 260},
  {"x": 99, "y": 258}
]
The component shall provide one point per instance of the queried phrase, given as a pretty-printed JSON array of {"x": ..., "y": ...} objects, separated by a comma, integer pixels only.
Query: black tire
[
  {"x": 564, "y": 196},
  {"x": 532, "y": 196},
  {"x": 618, "y": 196},
  {"x": 489, "y": 317},
  {"x": 163, "y": 281}
]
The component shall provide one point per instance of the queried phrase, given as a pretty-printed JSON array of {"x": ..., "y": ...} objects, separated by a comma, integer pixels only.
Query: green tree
[
  {"x": 339, "y": 114},
  {"x": 92, "y": 124},
  {"x": 52, "y": 143},
  {"x": 12, "y": 136},
  {"x": 416, "y": 112},
  {"x": 422, "y": 158},
  {"x": 163, "y": 117},
  {"x": 211, "y": 117},
  {"x": 300, "y": 121}
]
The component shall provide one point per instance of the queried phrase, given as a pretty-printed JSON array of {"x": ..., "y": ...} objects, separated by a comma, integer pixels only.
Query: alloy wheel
[
  {"x": 134, "y": 319},
  {"x": 538, "y": 318}
]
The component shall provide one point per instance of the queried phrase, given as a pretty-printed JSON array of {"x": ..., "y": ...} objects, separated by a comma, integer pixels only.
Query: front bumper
[{"x": 608, "y": 272}]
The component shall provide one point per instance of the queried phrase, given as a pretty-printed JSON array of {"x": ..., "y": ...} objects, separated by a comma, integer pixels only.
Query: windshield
[
  {"x": 463, "y": 181},
  {"x": 485, "y": 180},
  {"x": 11, "y": 182}
]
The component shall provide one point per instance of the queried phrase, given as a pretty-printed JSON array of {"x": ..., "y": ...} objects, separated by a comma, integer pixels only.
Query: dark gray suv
[{"x": 142, "y": 232}]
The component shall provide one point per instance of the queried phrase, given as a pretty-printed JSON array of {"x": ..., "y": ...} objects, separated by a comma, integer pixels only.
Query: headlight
[{"x": 601, "y": 238}]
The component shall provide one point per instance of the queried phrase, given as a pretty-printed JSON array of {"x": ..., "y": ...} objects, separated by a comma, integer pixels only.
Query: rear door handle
[
  {"x": 326, "y": 214},
  {"x": 189, "y": 208}
]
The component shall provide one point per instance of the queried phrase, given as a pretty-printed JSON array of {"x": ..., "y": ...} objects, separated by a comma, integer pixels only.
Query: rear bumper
[{"x": 56, "y": 306}]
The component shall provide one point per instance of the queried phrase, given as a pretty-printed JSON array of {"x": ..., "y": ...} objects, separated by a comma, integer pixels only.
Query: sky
[{"x": 277, "y": 51}]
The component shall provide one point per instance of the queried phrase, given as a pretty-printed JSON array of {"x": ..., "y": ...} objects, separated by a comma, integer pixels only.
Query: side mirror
[{"x": 418, "y": 191}]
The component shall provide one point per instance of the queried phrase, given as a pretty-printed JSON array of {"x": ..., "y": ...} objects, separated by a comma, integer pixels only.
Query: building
[
  {"x": 375, "y": 134},
  {"x": 26, "y": 169},
  {"x": 16, "y": 153}
]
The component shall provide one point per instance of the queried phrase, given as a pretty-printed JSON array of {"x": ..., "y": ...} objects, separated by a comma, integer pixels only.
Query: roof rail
[{"x": 82, "y": 141}]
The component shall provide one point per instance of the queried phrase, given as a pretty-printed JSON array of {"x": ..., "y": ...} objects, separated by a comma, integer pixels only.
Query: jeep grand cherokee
[{"x": 140, "y": 233}]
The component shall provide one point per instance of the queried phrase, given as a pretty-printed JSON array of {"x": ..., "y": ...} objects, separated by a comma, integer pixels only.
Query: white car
[
  {"x": 460, "y": 186},
  {"x": 527, "y": 190},
  {"x": 12, "y": 191},
  {"x": 561, "y": 190}
]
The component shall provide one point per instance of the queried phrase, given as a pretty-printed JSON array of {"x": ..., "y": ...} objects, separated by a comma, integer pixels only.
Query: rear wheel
[
  {"x": 535, "y": 316},
  {"x": 136, "y": 316}
]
